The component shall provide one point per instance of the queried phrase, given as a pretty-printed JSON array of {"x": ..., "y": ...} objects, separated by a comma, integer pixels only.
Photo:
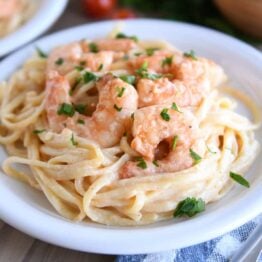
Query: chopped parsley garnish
[
  {"x": 74, "y": 143},
  {"x": 79, "y": 68},
  {"x": 123, "y": 36},
  {"x": 130, "y": 79},
  {"x": 143, "y": 72},
  {"x": 138, "y": 54},
  {"x": 100, "y": 67},
  {"x": 141, "y": 163},
  {"x": 66, "y": 109},
  {"x": 88, "y": 77},
  {"x": 93, "y": 47},
  {"x": 82, "y": 63},
  {"x": 175, "y": 107},
  {"x": 81, "y": 121},
  {"x": 190, "y": 54},
  {"x": 41, "y": 53},
  {"x": 59, "y": 61},
  {"x": 80, "y": 108},
  {"x": 38, "y": 131},
  {"x": 195, "y": 156},
  {"x": 155, "y": 163},
  {"x": 120, "y": 91},
  {"x": 143, "y": 68},
  {"x": 209, "y": 150},
  {"x": 133, "y": 116},
  {"x": 167, "y": 61},
  {"x": 239, "y": 179},
  {"x": 189, "y": 207},
  {"x": 151, "y": 51},
  {"x": 165, "y": 115},
  {"x": 174, "y": 142},
  {"x": 117, "y": 108}
]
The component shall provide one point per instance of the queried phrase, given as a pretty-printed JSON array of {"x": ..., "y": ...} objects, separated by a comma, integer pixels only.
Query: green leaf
[
  {"x": 175, "y": 107},
  {"x": 93, "y": 47},
  {"x": 41, "y": 53},
  {"x": 239, "y": 179},
  {"x": 66, "y": 109},
  {"x": 120, "y": 91},
  {"x": 81, "y": 121},
  {"x": 130, "y": 79},
  {"x": 100, "y": 67},
  {"x": 123, "y": 36},
  {"x": 167, "y": 61},
  {"x": 189, "y": 207},
  {"x": 79, "y": 68},
  {"x": 38, "y": 131},
  {"x": 165, "y": 115},
  {"x": 191, "y": 54},
  {"x": 174, "y": 142},
  {"x": 59, "y": 61},
  {"x": 209, "y": 150},
  {"x": 195, "y": 156},
  {"x": 88, "y": 77},
  {"x": 141, "y": 163},
  {"x": 80, "y": 108},
  {"x": 155, "y": 163},
  {"x": 151, "y": 51},
  {"x": 117, "y": 108},
  {"x": 74, "y": 143}
]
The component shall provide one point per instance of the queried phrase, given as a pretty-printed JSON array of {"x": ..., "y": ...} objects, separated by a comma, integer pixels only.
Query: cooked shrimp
[
  {"x": 72, "y": 55},
  {"x": 8, "y": 8},
  {"x": 193, "y": 80},
  {"x": 111, "y": 117},
  {"x": 117, "y": 45},
  {"x": 147, "y": 141}
]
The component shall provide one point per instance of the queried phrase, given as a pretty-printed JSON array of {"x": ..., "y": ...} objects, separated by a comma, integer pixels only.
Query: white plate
[
  {"x": 48, "y": 11},
  {"x": 29, "y": 211}
]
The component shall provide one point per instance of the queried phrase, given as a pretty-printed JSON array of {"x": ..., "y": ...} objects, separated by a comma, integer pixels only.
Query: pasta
[
  {"x": 14, "y": 13},
  {"x": 83, "y": 171}
]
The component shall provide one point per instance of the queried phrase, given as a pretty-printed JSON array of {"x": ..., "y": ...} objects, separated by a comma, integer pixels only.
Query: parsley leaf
[
  {"x": 175, "y": 107},
  {"x": 151, "y": 51},
  {"x": 195, "y": 156},
  {"x": 239, "y": 179},
  {"x": 38, "y": 131},
  {"x": 100, "y": 67},
  {"x": 120, "y": 91},
  {"x": 74, "y": 143},
  {"x": 59, "y": 61},
  {"x": 165, "y": 115},
  {"x": 130, "y": 79},
  {"x": 142, "y": 72},
  {"x": 155, "y": 163},
  {"x": 79, "y": 68},
  {"x": 209, "y": 150},
  {"x": 117, "y": 108},
  {"x": 141, "y": 163},
  {"x": 81, "y": 121},
  {"x": 80, "y": 108},
  {"x": 93, "y": 47},
  {"x": 190, "y": 54},
  {"x": 82, "y": 63},
  {"x": 41, "y": 53},
  {"x": 189, "y": 207},
  {"x": 174, "y": 142},
  {"x": 167, "y": 61},
  {"x": 123, "y": 36},
  {"x": 66, "y": 109},
  {"x": 88, "y": 77}
]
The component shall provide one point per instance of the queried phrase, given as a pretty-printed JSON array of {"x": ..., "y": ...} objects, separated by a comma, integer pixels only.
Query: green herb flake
[
  {"x": 117, "y": 108},
  {"x": 167, "y": 61},
  {"x": 39, "y": 131},
  {"x": 130, "y": 79},
  {"x": 165, "y": 115},
  {"x": 100, "y": 67},
  {"x": 74, "y": 143},
  {"x": 80, "y": 108},
  {"x": 151, "y": 51},
  {"x": 81, "y": 121},
  {"x": 66, "y": 109},
  {"x": 88, "y": 77},
  {"x": 137, "y": 54},
  {"x": 123, "y": 36},
  {"x": 239, "y": 179},
  {"x": 155, "y": 163},
  {"x": 59, "y": 61},
  {"x": 210, "y": 151},
  {"x": 82, "y": 63},
  {"x": 41, "y": 53},
  {"x": 120, "y": 91},
  {"x": 79, "y": 68},
  {"x": 93, "y": 47},
  {"x": 133, "y": 116},
  {"x": 190, "y": 54},
  {"x": 189, "y": 207},
  {"x": 175, "y": 107},
  {"x": 174, "y": 142},
  {"x": 141, "y": 163},
  {"x": 195, "y": 156}
]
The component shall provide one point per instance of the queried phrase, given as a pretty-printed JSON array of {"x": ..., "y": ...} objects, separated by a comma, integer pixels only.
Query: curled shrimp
[
  {"x": 8, "y": 8},
  {"x": 193, "y": 79},
  {"x": 111, "y": 117},
  {"x": 169, "y": 141}
]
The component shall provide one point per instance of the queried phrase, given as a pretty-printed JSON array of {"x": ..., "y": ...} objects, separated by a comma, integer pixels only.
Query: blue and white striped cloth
[{"x": 220, "y": 249}]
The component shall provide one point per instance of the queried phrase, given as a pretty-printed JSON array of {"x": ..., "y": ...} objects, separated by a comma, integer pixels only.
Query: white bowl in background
[
  {"x": 28, "y": 210},
  {"x": 46, "y": 13}
]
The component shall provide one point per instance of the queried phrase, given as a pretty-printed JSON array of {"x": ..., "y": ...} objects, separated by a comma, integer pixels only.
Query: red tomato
[
  {"x": 123, "y": 13},
  {"x": 98, "y": 8}
]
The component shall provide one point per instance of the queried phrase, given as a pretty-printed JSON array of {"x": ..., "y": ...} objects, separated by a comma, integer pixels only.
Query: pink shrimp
[
  {"x": 111, "y": 117},
  {"x": 8, "y": 8},
  {"x": 193, "y": 80},
  {"x": 148, "y": 141}
]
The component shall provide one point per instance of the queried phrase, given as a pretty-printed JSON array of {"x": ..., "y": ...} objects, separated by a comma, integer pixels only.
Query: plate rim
[{"x": 93, "y": 245}]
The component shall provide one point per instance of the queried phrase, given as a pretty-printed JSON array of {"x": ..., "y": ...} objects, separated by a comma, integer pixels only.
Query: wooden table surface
[{"x": 16, "y": 246}]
